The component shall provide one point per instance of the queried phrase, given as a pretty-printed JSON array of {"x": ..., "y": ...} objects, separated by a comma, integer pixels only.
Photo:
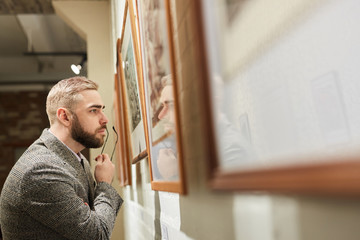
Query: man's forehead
[{"x": 90, "y": 98}]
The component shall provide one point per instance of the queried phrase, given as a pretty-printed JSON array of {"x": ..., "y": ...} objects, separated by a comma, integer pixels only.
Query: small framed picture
[
  {"x": 161, "y": 98},
  {"x": 130, "y": 75},
  {"x": 122, "y": 146}
]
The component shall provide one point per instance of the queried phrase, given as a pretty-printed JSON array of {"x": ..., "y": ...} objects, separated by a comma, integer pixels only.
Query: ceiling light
[{"x": 76, "y": 68}]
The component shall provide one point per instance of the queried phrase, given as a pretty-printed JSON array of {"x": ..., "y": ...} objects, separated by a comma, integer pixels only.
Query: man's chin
[{"x": 101, "y": 143}]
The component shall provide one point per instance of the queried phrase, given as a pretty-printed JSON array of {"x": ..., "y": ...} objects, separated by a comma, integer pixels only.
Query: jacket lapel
[
  {"x": 85, "y": 176},
  {"x": 90, "y": 180}
]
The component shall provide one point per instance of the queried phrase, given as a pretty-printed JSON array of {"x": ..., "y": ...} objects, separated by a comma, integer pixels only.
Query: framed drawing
[
  {"x": 166, "y": 164},
  {"x": 279, "y": 118},
  {"x": 132, "y": 91},
  {"x": 122, "y": 148}
]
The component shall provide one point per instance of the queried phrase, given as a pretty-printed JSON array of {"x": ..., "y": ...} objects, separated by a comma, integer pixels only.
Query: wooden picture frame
[
  {"x": 161, "y": 98},
  {"x": 320, "y": 161},
  {"x": 122, "y": 148},
  {"x": 131, "y": 76}
]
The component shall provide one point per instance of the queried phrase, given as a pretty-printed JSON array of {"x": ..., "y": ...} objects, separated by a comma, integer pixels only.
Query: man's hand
[{"x": 104, "y": 169}]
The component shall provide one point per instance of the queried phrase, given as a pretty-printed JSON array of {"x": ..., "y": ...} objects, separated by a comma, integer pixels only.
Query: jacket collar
[{"x": 60, "y": 149}]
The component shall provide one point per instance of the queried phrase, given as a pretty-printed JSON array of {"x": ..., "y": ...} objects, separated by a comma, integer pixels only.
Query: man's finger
[{"x": 100, "y": 157}]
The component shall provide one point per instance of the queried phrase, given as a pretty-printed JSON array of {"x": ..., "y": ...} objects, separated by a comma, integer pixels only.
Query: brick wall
[{"x": 22, "y": 119}]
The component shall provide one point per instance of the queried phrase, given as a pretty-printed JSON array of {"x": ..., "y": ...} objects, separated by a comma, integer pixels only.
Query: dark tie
[{"x": 82, "y": 163}]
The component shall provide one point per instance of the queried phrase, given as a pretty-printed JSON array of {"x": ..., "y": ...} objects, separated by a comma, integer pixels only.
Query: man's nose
[{"x": 104, "y": 119}]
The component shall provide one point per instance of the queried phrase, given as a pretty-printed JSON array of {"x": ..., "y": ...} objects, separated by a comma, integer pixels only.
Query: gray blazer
[{"x": 48, "y": 195}]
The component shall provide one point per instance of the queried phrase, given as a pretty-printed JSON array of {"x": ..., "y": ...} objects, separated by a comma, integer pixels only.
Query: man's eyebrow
[{"x": 97, "y": 106}]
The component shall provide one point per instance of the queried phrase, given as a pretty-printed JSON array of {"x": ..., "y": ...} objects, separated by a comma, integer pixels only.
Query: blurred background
[{"x": 37, "y": 49}]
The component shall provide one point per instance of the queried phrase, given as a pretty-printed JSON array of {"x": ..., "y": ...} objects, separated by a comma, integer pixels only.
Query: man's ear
[{"x": 64, "y": 116}]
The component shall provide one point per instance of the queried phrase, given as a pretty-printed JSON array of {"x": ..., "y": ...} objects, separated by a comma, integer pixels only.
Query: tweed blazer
[{"x": 49, "y": 195}]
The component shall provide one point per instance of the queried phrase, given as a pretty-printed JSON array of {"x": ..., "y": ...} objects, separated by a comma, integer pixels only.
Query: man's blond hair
[{"x": 66, "y": 94}]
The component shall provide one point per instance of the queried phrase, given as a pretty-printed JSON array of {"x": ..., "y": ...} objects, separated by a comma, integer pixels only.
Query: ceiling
[{"x": 36, "y": 46}]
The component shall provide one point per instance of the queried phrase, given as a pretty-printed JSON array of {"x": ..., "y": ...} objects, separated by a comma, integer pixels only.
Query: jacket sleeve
[{"x": 50, "y": 197}]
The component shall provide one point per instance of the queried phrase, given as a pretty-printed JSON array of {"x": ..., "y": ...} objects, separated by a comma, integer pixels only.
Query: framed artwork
[
  {"x": 122, "y": 148},
  {"x": 279, "y": 118},
  {"x": 165, "y": 150},
  {"x": 132, "y": 90}
]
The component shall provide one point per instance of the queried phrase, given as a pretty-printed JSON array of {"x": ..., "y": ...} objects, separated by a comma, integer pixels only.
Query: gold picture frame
[
  {"x": 122, "y": 148},
  {"x": 161, "y": 98}
]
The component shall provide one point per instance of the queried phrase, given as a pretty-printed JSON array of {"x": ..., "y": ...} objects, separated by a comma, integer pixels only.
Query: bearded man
[{"x": 50, "y": 192}]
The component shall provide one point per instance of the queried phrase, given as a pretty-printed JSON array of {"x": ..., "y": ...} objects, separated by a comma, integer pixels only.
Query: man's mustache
[{"x": 103, "y": 127}]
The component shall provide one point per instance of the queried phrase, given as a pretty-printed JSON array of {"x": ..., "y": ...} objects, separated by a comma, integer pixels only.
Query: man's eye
[{"x": 93, "y": 110}]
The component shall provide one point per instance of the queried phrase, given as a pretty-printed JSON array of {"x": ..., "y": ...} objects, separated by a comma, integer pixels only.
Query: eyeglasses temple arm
[
  {"x": 117, "y": 137},
  {"x": 107, "y": 136}
]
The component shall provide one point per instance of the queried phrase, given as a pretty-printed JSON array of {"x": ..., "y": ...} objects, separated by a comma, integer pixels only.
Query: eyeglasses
[{"x": 107, "y": 136}]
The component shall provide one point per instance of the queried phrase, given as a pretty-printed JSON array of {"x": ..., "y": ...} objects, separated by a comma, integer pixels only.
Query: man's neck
[{"x": 64, "y": 135}]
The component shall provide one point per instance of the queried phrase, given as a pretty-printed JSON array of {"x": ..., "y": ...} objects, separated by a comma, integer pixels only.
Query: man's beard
[{"x": 86, "y": 139}]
